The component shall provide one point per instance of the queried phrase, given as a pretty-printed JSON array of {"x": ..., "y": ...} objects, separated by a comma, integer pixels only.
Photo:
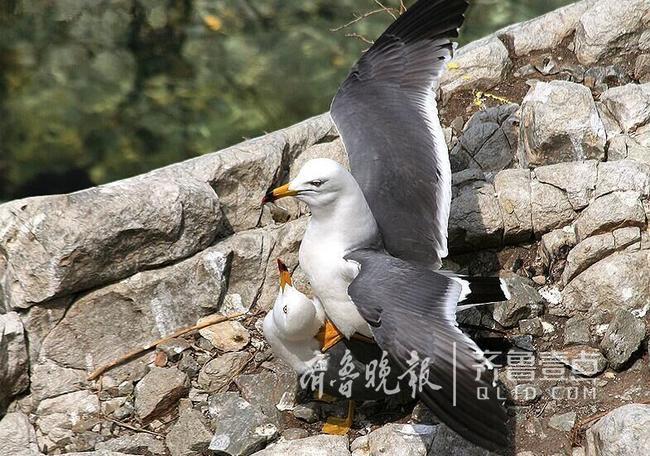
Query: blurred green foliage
[{"x": 96, "y": 90}]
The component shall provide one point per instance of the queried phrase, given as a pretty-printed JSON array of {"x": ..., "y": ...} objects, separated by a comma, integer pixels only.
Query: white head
[
  {"x": 294, "y": 315},
  {"x": 320, "y": 183}
]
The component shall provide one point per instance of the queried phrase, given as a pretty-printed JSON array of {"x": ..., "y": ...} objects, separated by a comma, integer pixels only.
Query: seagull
[{"x": 377, "y": 234}]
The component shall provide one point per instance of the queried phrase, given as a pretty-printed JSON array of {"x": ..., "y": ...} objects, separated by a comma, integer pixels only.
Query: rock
[
  {"x": 150, "y": 304},
  {"x": 189, "y": 436},
  {"x": 532, "y": 326},
  {"x": 582, "y": 360},
  {"x": 642, "y": 68},
  {"x": 599, "y": 78},
  {"x": 525, "y": 342},
  {"x": 595, "y": 248},
  {"x": 480, "y": 65},
  {"x": 65, "y": 421},
  {"x": 295, "y": 434},
  {"x": 240, "y": 427},
  {"x": 550, "y": 207},
  {"x": 623, "y": 338},
  {"x": 449, "y": 443},
  {"x": 623, "y": 175},
  {"x": 159, "y": 391},
  {"x": 475, "y": 218},
  {"x": 40, "y": 320},
  {"x": 227, "y": 336},
  {"x": 598, "y": 288},
  {"x": 14, "y": 361},
  {"x": 514, "y": 196},
  {"x": 134, "y": 444},
  {"x": 266, "y": 390},
  {"x": 318, "y": 445},
  {"x": 623, "y": 431},
  {"x": 563, "y": 422},
  {"x": 556, "y": 244},
  {"x": 403, "y": 439},
  {"x": 525, "y": 394},
  {"x": 608, "y": 29},
  {"x": 334, "y": 150},
  {"x": 524, "y": 303},
  {"x": 559, "y": 123},
  {"x": 629, "y": 105},
  {"x": 576, "y": 331},
  {"x": 544, "y": 32},
  {"x": 610, "y": 211},
  {"x": 59, "y": 245},
  {"x": 174, "y": 348},
  {"x": 490, "y": 137},
  {"x": 307, "y": 412},
  {"x": 217, "y": 373},
  {"x": 50, "y": 379},
  {"x": 577, "y": 179},
  {"x": 17, "y": 436}
]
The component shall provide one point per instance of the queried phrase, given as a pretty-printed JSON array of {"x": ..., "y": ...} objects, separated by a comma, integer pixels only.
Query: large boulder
[
  {"x": 629, "y": 105},
  {"x": 514, "y": 195},
  {"x": 559, "y": 123},
  {"x": 58, "y": 245},
  {"x": 610, "y": 28},
  {"x": 17, "y": 436},
  {"x": 577, "y": 179},
  {"x": 622, "y": 432},
  {"x": 611, "y": 211},
  {"x": 475, "y": 219},
  {"x": 14, "y": 362}
]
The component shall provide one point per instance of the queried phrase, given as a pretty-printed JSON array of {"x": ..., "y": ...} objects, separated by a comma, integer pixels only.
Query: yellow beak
[
  {"x": 278, "y": 193},
  {"x": 285, "y": 275}
]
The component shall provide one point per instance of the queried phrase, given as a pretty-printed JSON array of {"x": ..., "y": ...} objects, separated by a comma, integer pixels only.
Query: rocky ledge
[{"x": 548, "y": 126}]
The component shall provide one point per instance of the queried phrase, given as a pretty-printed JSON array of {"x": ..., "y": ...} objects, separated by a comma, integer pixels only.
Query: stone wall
[{"x": 548, "y": 125}]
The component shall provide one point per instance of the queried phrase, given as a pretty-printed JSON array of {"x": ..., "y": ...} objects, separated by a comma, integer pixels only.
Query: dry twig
[
  {"x": 135, "y": 353},
  {"x": 132, "y": 428}
]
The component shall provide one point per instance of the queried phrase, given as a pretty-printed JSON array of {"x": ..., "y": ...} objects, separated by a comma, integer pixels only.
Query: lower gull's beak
[
  {"x": 285, "y": 275},
  {"x": 278, "y": 193}
]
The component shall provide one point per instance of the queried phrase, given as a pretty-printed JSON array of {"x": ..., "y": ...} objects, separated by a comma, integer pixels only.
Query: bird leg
[{"x": 340, "y": 426}]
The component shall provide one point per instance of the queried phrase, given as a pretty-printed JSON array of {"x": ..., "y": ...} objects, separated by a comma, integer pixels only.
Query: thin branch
[
  {"x": 388, "y": 10},
  {"x": 360, "y": 37},
  {"x": 214, "y": 319},
  {"x": 357, "y": 19},
  {"x": 132, "y": 428}
]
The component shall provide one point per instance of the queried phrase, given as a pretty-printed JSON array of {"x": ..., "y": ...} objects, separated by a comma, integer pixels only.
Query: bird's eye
[
  {"x": 284, "y": 309},
  {"x": 316, "y": 183}
]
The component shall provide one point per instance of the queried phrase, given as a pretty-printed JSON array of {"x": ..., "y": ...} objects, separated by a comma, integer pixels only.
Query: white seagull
[{"x": 377, "y": 235}]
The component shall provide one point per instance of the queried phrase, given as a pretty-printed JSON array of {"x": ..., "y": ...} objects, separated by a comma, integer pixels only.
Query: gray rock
[
  {"x": 217, "y": 373},
  {"x": 14, "y": 362},
  {"x": 559, "y": 123},
  {"x": 623, "y": 175},
  {"x": 190, "y": 436},
  {"x": 403, "y": 439},
  {"x": 58, "y": 245},
  {"x": 449, "y": 443},
  {"x": 577, "y": 179},
  {"x": 134, "y": 444},
  {"x": 610, "y": 211},
  {"x": 563, "y": 422},
  {"x": 623, "y": 431},
  {"x": 629, "y": 105},
  {"x": 174, "y": 348},
  {"x": 240, "y": 427},
  {"x": 159, "y": 391},
  {"x": 576, "y": 331},
  {"x": 544, "y": 32},
  {"x": 318, "y": 445},
  {"x": 17, "y": 436},
  {"x": 623, "y": 338},
  {"x": 598, "y": 288},
  {"x": 98, "y": 453},
  {"x": 642, "y": 68},
  {"x": 65, "y": 422},
  {"x": 307, "y": 412},
  {"x": 525, "y": 302},
  {"x": 467, "y": 176},
  {"x": 608, "y": 28},
  {"x": 490, "y": 137},
  {"x": 295, "y": 434},
  {"x": 595, "y": 248},
  {"x": 550, "y": 207},
  {"x": 480, "y": 65},
  {"x": 475, "y": 218},
  {"x": 532, "y": 326},
  {"x": 555, "y": 244},
  {"x": 227, "y": 336},
  {"x": 50, "y": 379},
  {"x": 514, "y": 195},
  {"x": 267, "y": 389},
  {"x": 40, "y": 320},
  {"x": 583, "y": 360},
  {"x": 151, "y": 304}
]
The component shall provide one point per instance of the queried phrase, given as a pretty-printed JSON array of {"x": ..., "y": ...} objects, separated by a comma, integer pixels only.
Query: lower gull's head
[
  {"x": 294, "y": 315},
  {"x": 320, "y": 183}
]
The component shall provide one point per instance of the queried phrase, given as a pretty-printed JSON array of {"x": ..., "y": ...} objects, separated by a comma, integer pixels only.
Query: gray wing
[
  {"x": 386, "y": 114},
  {"x": 411, "y": 308}
]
